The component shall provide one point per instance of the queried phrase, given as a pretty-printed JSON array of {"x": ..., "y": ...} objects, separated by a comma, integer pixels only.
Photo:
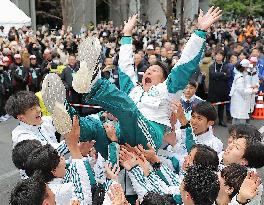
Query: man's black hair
[
  {"x": 240, "y": 68},
  {"x": 254, "y": 151},
  {"x": 249, "y": 130},
  {"x": 22, "y": 150},
  {"x": 202, "y": 184},
  {"x": 206, "y": 156},
  {"x": 98, "y": 194},
  {"x": 154, "y": 198},
  {"x": 208, "y": 52},
  {"x": 234, "y": 175},
  {"x": 219, "y": 51},
  {"x": 193, "y": 83},
  {"x": 205, "y": 109},
  {"x": 164, "y": 67},
  {"x": 29, "y": 192},
  {"x": 232, "y": 128},
  {"x": 20, "y": 102},
  {"x": 44, "y": 159},
  {"x": 254, "y": 154}
]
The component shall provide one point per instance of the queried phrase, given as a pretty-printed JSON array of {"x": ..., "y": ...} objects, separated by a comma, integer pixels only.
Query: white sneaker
[
  {"x": 88, "y": 53},
  {"x": 61, "y": 119},
  {"x": 2, "y": 119},
  {"x": 52, "y": 91}
]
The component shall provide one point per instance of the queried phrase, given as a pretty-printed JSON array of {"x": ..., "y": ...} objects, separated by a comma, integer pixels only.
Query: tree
[
  {"x": 169, "y": 16},
  {"x": 240, "y": 8}
]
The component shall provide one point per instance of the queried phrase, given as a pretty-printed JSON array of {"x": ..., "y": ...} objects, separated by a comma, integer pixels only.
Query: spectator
[
  {"x": 19, "y": 74},
  {"x": 34, "y": 77},
  {"x": 66, "y": 76},
  {"x": 140, "y": 66},
  {"x": 218, "y": 84}
]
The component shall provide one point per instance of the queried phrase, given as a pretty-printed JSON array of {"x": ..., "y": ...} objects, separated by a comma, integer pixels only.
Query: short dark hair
[
  {"x": 22, "y": 150},
  {"x": 240, "y": 68},
  {"x": 234, "y": 175},
  {"x": 254, "y": 151},
  {"x": 193, "y": 83},
  {"x": 164, "y": 68},
  {"x": 154, "y": 198},
  {"x": 254, "y": 154},
  {"x": 20, "y": 102},
  {"x": 205, "y": 109},
  {"x": 249, "y": 130},
  {"x": 206, "y": 156},
  {"x": 43, "y": 160},
  {"x": 29, "y": 192},
  {"x": 219, "y": 51},
  {"x": 202, "y": 184}
]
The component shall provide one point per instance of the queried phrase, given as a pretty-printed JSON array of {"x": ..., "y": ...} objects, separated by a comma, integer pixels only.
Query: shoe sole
[
  {"x": 61, "y": 119},
  {"x": 88, "y": 53},
  {"x": 53, "y": 91}
]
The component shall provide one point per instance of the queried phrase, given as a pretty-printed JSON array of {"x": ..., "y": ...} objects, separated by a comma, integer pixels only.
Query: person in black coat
[
  {"x": 5, "y": 85},
  {"x": 67, "y": 76},
  {"x": 34, "y": 74},
  {"x": 19, "y": 74},
  {"x": 218, "y": 84}
]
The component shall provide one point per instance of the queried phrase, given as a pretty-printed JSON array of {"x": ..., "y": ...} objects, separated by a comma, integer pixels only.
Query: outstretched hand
[
  {"x": 127, "y": 159},
  {"x": 111, "y": 172},
  {"x": 130, "y": 24},
  {"x": 72, "y": 138},
  {"x": 205, "y": 21},
  {"x": 249, "y": 187}
]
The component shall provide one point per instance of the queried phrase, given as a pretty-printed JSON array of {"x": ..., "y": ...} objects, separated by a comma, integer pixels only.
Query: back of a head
[
  {"x": 202, "y": 184},
  {"x": 28, "y": 192},
  {"x": 206, "y": 156},
  {"x": 205, "y": 109},
  {"x": 154, "y": 198},
  {"x": 254, "y": 154},
  {"x": 22, "y": 150},
  {"x": 44, "y": 160},
  {"x": 234, "y": 175},
  {"x": 250, "y": 130},
  {"x": 20, "y": 102}
]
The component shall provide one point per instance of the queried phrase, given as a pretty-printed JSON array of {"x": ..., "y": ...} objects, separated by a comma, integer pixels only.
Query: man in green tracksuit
[{"x": 143, "y": 111}]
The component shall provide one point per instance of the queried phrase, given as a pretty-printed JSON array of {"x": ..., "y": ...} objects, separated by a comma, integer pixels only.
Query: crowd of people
[{"x": 152, "y": 142}]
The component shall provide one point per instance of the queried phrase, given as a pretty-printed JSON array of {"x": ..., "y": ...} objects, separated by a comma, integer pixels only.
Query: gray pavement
[{"x": 9, "y": 174}]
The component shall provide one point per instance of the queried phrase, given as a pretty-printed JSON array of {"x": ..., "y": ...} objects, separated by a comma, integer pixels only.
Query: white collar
[
  {"x": 190, "y": 100},
  {"x": 205, "y": 137},
  {"x": 29, "y": 127}
]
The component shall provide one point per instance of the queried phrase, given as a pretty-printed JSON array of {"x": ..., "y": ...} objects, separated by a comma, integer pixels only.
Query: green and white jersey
[
  {"x": 154, "y": 104},
  {"x": 75, "y": 184}
]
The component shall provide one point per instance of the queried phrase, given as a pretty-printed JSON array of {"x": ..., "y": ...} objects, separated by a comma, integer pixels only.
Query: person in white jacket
[
  {"x": 24, "y": 106},
  {"x": 237, "y": 185},
  {"x": 142, "y": 110},
  {"x": 240, "y": 94},
  {"x": 67, "y": 183}
]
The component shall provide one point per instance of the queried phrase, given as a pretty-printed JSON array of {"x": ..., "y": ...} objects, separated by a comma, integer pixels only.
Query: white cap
[
  {"x": 150, "y": 47},
  {"x": 17, "y": 55},
  {"x": 253, "y": 59},
  {"x": 246, "y": 63},
  {"x": 104, "y": 34},
  {"x": 32, "y": 56}
]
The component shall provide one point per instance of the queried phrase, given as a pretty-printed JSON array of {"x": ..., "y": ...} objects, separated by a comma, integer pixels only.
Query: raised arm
[
  {"x": 127, "y": 74},
  {"x": 192, "y": 52}
]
